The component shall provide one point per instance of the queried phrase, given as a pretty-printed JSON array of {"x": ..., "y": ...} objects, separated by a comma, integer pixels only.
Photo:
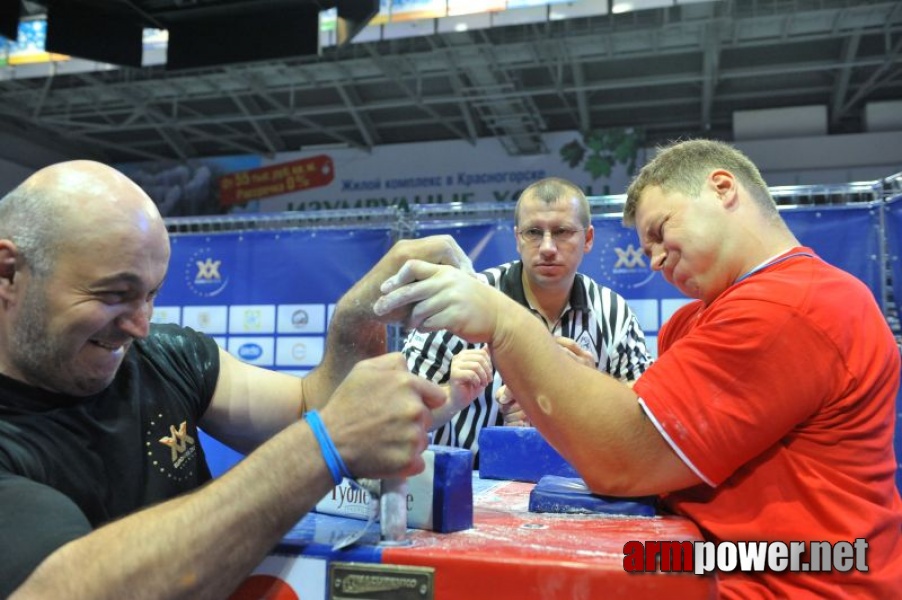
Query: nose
[
  {"x": 657, "y": 258},
  {"x": 547, "y": 243},
  {"x": 136, "y": 321}
]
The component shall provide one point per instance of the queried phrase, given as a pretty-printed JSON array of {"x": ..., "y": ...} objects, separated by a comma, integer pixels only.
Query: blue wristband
[{"x": 337, "y": 467}]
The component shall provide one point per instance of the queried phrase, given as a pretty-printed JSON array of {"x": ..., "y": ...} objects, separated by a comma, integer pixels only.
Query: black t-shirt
[{"x": 70, "y": 464}]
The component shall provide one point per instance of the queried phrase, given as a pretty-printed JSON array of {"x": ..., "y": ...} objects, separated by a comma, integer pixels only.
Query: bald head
[
  {"x": 88, "y": 189},
  {"x": 69, "y": 203}
]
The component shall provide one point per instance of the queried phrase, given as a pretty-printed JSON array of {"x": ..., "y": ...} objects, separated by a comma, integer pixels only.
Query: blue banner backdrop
[
  {"x": 266, "y": 296},
  {"x": 846, "y": 236},
  {"x": 894, "y": 248},
  {"x": 272, "y": 267},
  {"x": 894, "y": 243}
]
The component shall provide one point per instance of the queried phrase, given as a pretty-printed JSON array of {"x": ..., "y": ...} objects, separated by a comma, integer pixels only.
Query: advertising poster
[{"x": 400, "y": 176}]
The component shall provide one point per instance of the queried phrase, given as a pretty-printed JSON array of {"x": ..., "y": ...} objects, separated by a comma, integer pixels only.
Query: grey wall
[
  {"x": 826, "y": 159},
  {"x": 793, "y": 161}
]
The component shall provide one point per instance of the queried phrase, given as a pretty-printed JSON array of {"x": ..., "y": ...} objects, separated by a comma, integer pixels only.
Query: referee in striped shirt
[{"x": 553, "y": 231}]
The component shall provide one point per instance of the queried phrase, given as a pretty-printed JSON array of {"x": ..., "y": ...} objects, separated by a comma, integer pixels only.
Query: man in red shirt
[{"x": 769, "y": 415}]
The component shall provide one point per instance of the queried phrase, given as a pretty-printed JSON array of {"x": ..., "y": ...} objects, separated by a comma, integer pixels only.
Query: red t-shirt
[{"x": 781, "y": 396}]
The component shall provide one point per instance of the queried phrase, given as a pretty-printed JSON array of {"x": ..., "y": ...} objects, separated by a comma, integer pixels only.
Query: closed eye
[
  {"x": 123, "y": 296},
  {"x": 657, "y": 233},
  {"x": 112, "y": 296}
]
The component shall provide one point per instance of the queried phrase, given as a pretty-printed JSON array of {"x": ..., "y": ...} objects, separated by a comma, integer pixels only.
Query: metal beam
[
  {"x": 844, "y": 76},
  {"x": 874, "y": 80},
  {"x": 710, "y": 72}
]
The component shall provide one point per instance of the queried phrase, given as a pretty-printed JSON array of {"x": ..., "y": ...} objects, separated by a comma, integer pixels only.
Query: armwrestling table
[{"x": 509, "y": 554}]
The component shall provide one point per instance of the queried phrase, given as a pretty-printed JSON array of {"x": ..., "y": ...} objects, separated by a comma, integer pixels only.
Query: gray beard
[{"x": 34, "y": 353}]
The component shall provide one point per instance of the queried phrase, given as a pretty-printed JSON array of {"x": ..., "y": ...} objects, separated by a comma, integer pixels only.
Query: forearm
[
  {"x": 592, "y": 419},
  {"x": 354, "y": 335},
  {"x": 201, "y": 545}
]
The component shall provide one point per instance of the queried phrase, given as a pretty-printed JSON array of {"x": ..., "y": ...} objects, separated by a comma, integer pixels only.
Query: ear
[
  {"x": 9, "y": 255},
  {"x": 725, "y": 186},
  {"x": 590, "y": 238},
  {"x": 517, "y": 241}
]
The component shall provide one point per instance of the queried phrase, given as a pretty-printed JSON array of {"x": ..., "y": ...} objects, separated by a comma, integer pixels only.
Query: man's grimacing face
[
  {"x": 682, "y": 238},
  {"x": 73, "y": 328}
]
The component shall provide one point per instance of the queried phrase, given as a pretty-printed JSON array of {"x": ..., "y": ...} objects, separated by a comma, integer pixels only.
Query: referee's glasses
[{"x": 535, "y": 235}]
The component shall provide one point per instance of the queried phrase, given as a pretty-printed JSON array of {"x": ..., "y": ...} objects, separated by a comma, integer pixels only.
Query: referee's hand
[
  {"x": 511, "y": 411},
  {"x": 575, "y": 352}
]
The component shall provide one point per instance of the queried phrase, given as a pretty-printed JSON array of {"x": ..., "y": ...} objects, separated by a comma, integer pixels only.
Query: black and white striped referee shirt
[{"x": 596, "y": 317}]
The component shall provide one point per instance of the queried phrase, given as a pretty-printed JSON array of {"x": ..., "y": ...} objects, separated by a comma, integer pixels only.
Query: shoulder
[
  {"x": 499, "y": 275},
  {"x": 590, "y": 284},
  {"x": 807, "y": 285},
  {"x": 35, "y": 519},
  {"x": 596, "y": 294},
  {"x": 172, "y": 347},
  {"x": 679, "y": 324},
  {"x": 170, "y": 338},
  {"x": 174, "y": 361}
]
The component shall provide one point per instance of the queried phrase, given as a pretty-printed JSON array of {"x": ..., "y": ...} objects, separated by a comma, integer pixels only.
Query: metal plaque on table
[{"x": 369, "y": 581}]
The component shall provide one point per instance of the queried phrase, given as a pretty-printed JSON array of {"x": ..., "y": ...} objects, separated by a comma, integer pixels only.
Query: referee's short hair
[{"x": 552, "y": 189}]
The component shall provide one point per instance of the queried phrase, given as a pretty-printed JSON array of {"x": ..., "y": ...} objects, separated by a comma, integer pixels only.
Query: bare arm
[
  {"x": 572, "y": 349},
  {"x": 203, "y": 544},
  {"x": 252, "y": 404},
  {"x": 196, "y": 546},
  {"x": 511, "y": 412},
  {"x": 355, "y": 333},
  {"x": 595, "y": 421}
]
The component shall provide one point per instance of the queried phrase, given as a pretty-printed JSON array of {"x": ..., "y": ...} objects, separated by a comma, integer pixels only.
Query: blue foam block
[
  {"x": 519, "y": 454},
  {"x": 570, "y": 495},
  {"x": 452, "y": 501}
]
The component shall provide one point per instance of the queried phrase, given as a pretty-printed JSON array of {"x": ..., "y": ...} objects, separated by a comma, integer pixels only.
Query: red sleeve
[
  {"x": 737, "y": 379},
  {"x": 678, "y": 325}
]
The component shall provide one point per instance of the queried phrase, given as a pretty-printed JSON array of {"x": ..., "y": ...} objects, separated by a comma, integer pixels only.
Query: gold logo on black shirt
[{"x": 178, "y": 440}]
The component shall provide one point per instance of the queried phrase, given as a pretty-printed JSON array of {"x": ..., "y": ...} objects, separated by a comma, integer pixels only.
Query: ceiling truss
[{"x": 674, "y": 72}]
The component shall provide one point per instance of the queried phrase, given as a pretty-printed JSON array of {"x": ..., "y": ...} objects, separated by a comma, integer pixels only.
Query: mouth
[{"x": 113, "y": 348}]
